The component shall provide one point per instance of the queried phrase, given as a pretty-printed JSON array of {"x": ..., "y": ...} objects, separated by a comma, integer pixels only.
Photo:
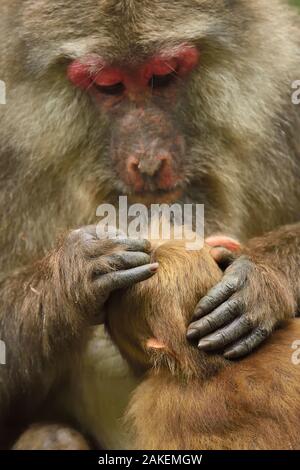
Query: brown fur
[{"x": 192, "y": 400}]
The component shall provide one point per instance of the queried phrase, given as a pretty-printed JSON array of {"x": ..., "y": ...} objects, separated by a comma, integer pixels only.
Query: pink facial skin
[{"x": 92, "y": 70}]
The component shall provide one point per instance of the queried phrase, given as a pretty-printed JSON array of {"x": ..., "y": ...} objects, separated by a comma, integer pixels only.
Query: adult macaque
[
  {"x": 198, "y": 401},
  {"x": 186, "y": 101}
]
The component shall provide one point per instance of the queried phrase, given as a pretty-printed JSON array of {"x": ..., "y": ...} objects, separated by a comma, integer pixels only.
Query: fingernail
[
  {"x": 203, "y": 343},
  {"x": 191, "y": 334},
  {"x": 231, "y": 354},
  {"x": 197, "y": 314},
  {"x": 227, "y": 355},
  {"x": 154, "y": 267}
]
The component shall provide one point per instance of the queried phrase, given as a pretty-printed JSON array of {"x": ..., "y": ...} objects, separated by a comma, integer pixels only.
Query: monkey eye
[
  {"x": 113, "y": 90},
  {"x": 162, "y": 81}
]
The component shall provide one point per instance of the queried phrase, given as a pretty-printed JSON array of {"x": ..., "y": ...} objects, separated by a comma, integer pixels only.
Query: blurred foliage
[{"x": 295, "y": 2}]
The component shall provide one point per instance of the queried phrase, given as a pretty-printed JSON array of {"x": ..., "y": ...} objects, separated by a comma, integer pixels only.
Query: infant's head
[{"x": 148, "y": 322}]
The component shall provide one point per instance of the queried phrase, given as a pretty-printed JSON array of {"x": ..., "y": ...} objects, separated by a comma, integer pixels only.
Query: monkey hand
[
  {"x": 89, "y": 269},
  {"x": 240, "y": 312}
]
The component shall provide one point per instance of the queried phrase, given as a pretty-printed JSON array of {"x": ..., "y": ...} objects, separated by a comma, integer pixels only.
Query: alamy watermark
[
  {"x": 296, "y": 93},
  {"x": 157, "y": 222},
  {"x": 2, "y": 92},
  {"x": 2, "y": 353}
]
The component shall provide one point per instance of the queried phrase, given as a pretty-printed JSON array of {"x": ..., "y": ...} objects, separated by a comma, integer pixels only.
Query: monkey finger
[
  {"x": 129, "y": 244},
  {"x": 233, "y": 332},
  {"x": 246, "y": 346},
  {"x": 216, "y": 296},
  {"x": 132, "y": 244},
  {"x": 85, "y": 234},
  {"x": 90, "y": 243},
  {"x": 224, "y": 314},
  {"x": 99, "y": 248},
  {"x": 122, "y": 279},
  {"x": 121, "y": 260},
  {"x": 92, "y": 231}
]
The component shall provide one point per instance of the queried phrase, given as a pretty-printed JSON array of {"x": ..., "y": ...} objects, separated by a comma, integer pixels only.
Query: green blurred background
[{"x": 296, "y": 2}]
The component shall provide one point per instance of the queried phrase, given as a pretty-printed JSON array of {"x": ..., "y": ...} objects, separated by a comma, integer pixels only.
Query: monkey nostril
[
  {"x": 133, "y": 167},
  {"x": 152, "y": 173},
  {"x": 150, "y": 167},
  {"x": 134, "y": 177}
]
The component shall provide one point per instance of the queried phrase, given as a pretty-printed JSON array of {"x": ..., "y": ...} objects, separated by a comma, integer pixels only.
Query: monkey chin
[{"x": 158, "y": 197}]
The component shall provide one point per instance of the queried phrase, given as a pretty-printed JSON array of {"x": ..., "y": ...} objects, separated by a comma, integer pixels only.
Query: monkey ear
[
  {"x": 224, "y": 249},
  {"x": 222, "y": 241}
]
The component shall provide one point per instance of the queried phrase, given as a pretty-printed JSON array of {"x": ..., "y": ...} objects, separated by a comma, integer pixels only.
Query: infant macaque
[{"x": 190, "y": 399}]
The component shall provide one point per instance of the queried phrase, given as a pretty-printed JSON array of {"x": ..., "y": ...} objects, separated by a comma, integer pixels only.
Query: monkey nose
[
  {"x": 150, "y": 167},
  {"x": 137, "y": 168},
  {"x": 151, "y": 171}
]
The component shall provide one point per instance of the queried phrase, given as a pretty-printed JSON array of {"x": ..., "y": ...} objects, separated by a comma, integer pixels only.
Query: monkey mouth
[
  {"x": 151, "y": 194},
  {"x": 155, "y": 197}
]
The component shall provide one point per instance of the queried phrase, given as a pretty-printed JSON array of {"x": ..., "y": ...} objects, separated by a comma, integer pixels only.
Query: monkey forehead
[
  {"x": 119, "y": 20},
  {"x": 117, "y": 30}
]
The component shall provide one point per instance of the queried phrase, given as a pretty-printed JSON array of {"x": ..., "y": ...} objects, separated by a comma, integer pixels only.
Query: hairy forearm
[
  {"x": 47, "y": 308},
  {"x": 37, "y": 332}
]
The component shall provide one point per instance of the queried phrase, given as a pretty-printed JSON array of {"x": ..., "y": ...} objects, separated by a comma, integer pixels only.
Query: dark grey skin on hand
[
  {"x": 224, "y": 320},
  {"x": 220, "y": 318},
  {"x": 113, "y": 263}
]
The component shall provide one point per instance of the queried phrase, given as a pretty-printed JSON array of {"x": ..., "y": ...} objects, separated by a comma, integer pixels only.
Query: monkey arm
[
  {"x": 36, "y": 332},
  {"x": 46, "y": 309},
  {"x": 259, "y": 290}
]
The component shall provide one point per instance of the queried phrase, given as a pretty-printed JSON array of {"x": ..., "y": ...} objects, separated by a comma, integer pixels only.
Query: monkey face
[
  {"x": 130, "y": 91},
  {"x": 149, "y": 321},
  {"x": 147, "y": 146}
]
